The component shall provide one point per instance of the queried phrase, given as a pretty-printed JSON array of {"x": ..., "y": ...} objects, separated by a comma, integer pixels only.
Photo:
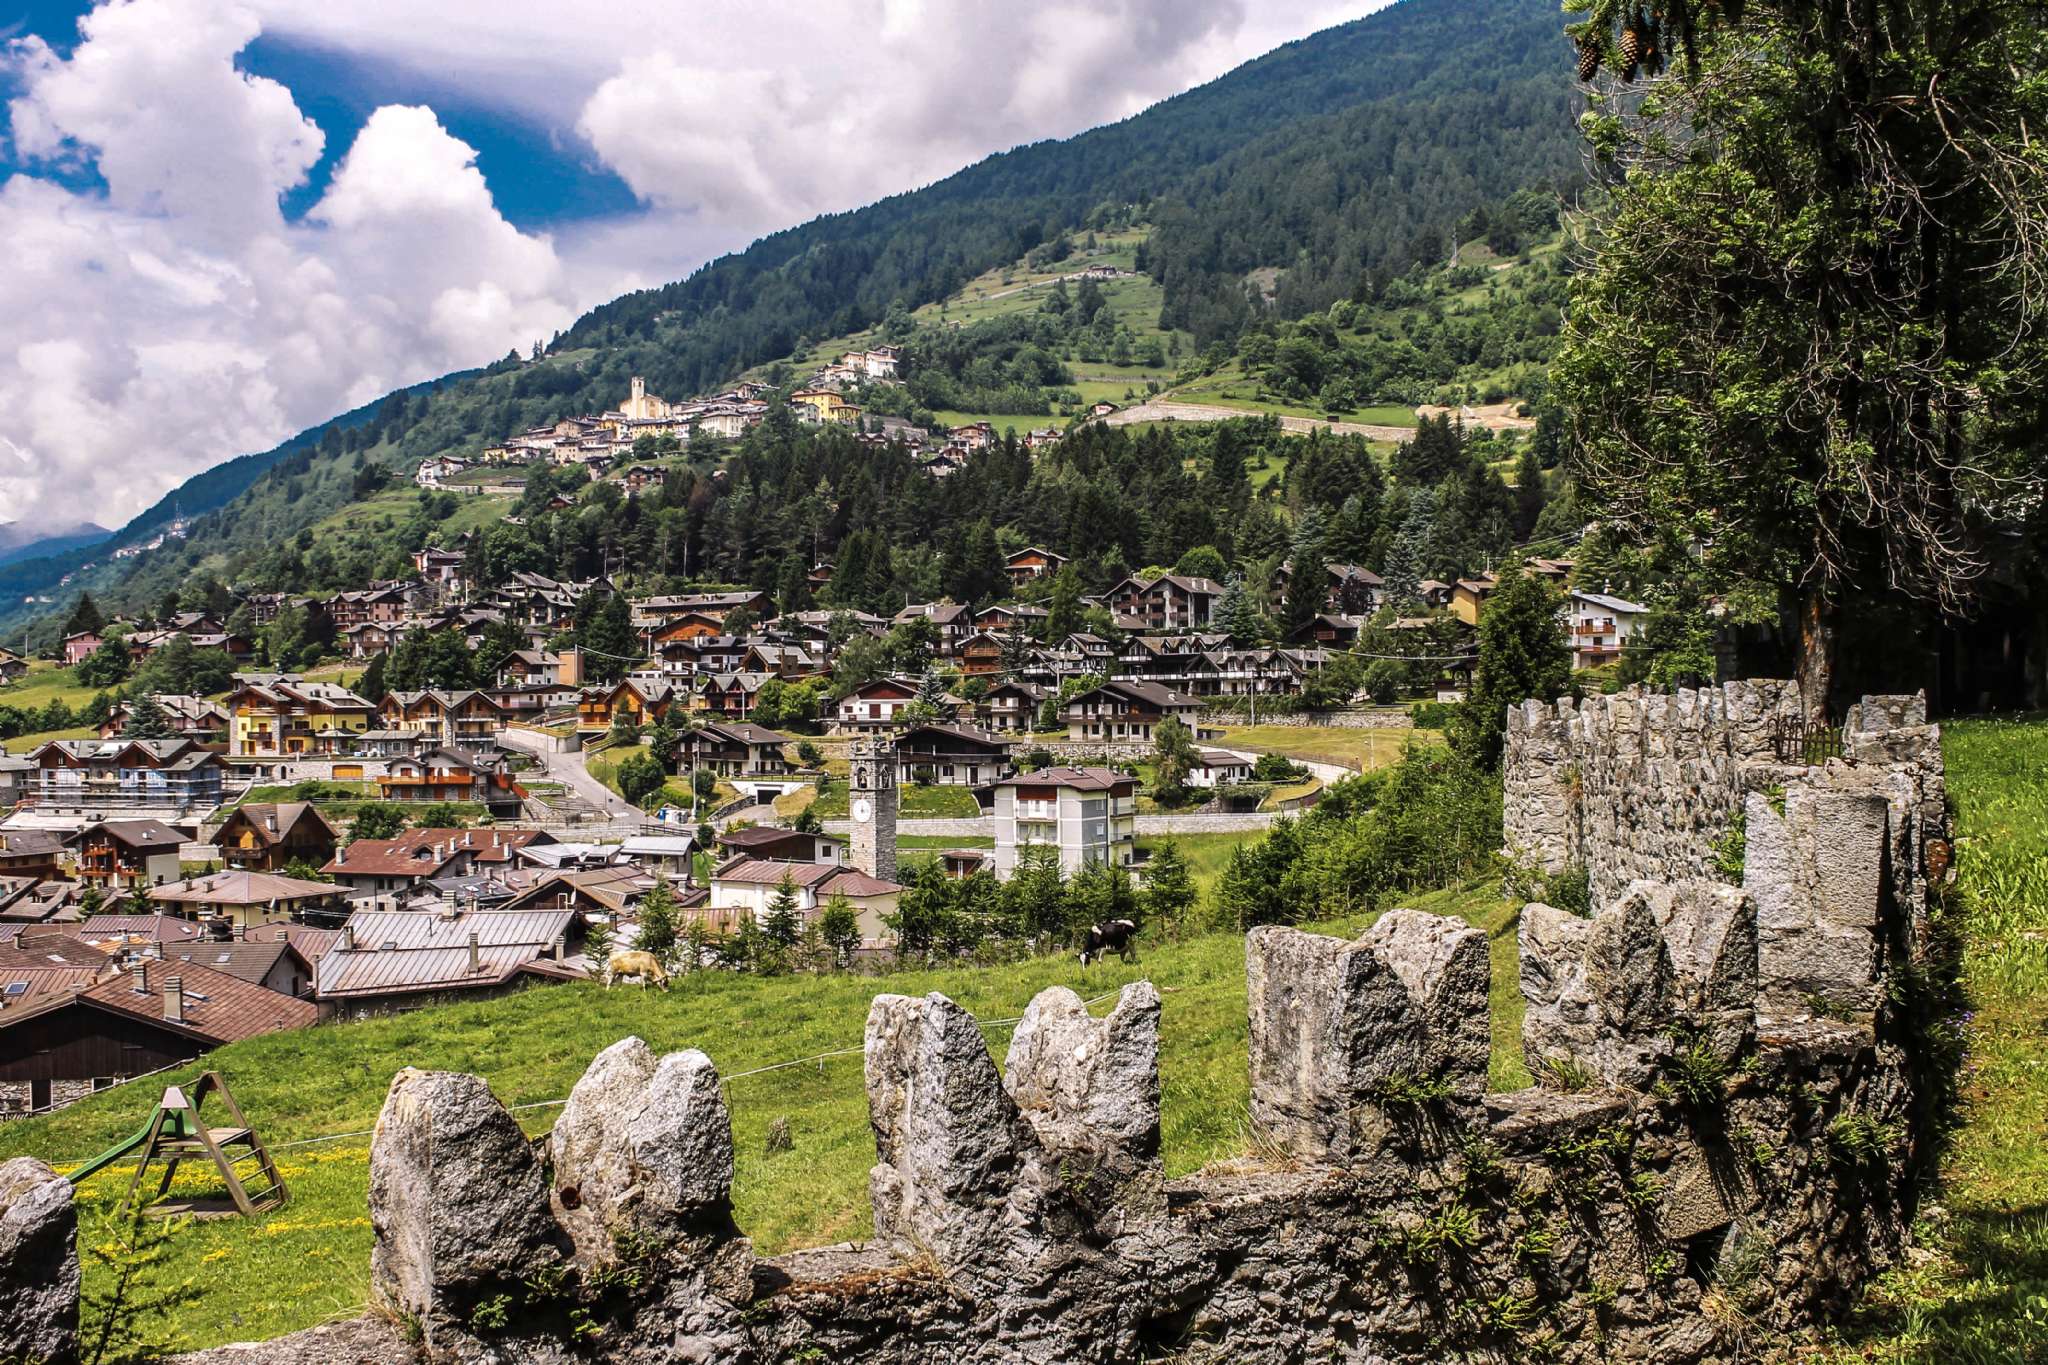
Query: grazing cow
[
  {"x": 646, "y": 966},
  {"x": 1111, "y": 936}
]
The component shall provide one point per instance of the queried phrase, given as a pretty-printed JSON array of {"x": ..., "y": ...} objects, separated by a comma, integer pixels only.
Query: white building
[
  {"x": 1599, "y": 627},
  {"x": 1089, "y": 814},
  {"x": 743, "y": 887}
]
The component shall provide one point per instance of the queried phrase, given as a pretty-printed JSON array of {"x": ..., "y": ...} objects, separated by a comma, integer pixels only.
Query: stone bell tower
[{"x": 871, "y": 802}]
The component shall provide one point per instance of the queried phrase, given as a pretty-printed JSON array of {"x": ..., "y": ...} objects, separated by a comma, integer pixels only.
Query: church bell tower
[{"x": 871, "y": 801}]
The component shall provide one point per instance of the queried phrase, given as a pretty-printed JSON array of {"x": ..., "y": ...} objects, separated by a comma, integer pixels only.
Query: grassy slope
[
  {"x": 311, "y": 1259},
  {"x": 1982, "y": 1295}
]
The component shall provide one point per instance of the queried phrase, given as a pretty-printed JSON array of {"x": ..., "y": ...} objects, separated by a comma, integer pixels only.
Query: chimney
[
  {"x": 348, "y": 939},
  {"x": 142, "y": 975},
  {"x": 174, "y": 1000},
  {"x": 270, "y": 823},
  {"x": 340, "y": 854},
  {"x": 238, "y": 931},
  {"x": 475, "y": 963}
]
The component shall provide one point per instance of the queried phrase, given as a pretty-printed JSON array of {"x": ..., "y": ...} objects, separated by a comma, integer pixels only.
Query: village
[{"x": 205, "y": 867}]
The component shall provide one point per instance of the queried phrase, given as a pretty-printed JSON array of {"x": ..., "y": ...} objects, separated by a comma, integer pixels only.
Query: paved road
[
  {"x": 1326, "y": 773},
  {"x": 1246, "y": 822},
  {"x": 591, "y": 803}
]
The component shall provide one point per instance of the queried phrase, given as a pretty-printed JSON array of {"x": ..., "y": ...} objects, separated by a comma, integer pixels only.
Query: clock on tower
[{"x": 872, "y": 780}]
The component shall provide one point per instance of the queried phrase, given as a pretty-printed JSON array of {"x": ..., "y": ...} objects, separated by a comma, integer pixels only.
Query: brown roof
[
  {"x": 217, "y": 1008},
  {"x": 762, "y": 836},
  {"x": 258, "y": 816},
  {"x": 134, "y": 833},
  {"x": 1081, "y": 779},
  {"x": 137, "y": 928},
  {"x": 423, "y": 852},
  {"x": 240, "y": 887},
  {"x": 828, "y": 878},
  {"x": 43, "y": 949},
  {"x": 244, "y": 959}
]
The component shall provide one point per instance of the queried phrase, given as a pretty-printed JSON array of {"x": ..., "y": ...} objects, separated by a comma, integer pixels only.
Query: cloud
[
  {"x": 165, "y": 315},
  {"x": 176, "y": 319}
]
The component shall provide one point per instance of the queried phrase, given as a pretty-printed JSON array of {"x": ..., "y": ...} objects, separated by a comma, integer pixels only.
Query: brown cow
[{"x": 646, "y": 966}]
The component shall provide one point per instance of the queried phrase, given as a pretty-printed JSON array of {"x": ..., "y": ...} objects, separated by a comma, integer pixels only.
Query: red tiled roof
[{"x": 217, "y": 1008}]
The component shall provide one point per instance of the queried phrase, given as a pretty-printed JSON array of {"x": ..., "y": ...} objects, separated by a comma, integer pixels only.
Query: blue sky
[{"x": 228, "y": 220}]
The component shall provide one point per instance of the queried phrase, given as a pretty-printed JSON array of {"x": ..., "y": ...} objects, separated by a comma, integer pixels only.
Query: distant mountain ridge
[
  {"x": 1350, "y": 154},
  {"x": 20, "y": 540}
]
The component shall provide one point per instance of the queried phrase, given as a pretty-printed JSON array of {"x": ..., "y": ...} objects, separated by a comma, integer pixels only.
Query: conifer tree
[
  {"x": 657, "y": 921},
  {"x": 783, "y": 925},
  {"x": 1522, "y": 654}
]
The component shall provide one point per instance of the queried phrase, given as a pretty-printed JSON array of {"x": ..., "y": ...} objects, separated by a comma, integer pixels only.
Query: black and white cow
[{"x": 1111, "y": 936}]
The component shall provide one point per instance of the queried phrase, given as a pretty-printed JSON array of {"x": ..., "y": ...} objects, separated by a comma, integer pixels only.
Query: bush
[
  {"x": 1277, "y": 768},
  {"x": 1431, "y": 715}
]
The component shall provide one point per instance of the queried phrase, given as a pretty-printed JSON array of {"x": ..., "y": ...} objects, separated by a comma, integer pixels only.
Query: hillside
[
  {"x": 1425, "y": 111},
  {"x": 313, "y": 1094}
]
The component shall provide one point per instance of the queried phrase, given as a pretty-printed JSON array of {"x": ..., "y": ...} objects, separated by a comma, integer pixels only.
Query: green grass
[
  {"x": 44, "y": 683},
  {"x": 909, "y": 843},
  {"x": 913, "y": 803},
  {"x": 1342, "y": 745},
  {"x": 1982, "y": 1296},
  {"x": 310, "y": 1260}
]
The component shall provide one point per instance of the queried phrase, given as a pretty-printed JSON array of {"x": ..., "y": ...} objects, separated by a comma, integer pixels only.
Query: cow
[
  {"x": 1111, "y": 936},
  {"x": 646, "y": 966}
]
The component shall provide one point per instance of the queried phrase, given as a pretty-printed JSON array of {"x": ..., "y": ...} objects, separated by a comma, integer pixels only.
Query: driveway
[{"x": 568, "y": 767}]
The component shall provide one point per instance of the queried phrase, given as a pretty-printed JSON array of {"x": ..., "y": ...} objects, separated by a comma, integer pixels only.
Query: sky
[{"x": 222, "y": 223}]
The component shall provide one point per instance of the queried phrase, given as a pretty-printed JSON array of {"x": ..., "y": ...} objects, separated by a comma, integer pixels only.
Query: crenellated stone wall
[
  {"x": 1644, "y": 786},
  {"x": 1718, "y": 1154}
]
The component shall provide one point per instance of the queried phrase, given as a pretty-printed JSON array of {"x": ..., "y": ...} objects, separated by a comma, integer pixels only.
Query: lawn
[
  {"x": 912, "y": 803},
  {"x": 310, "y": 1260},
  {"x": 1343, "y": 745}
]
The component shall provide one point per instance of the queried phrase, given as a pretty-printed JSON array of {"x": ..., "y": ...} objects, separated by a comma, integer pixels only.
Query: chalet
[
  {"x": 742, "y": 888},
  {"x": 980, "y": 654},
  {"x": 467, "y": 719},
  {"x": 275, "y": 964},
  {"x": 636, "y": 699},
  {"x": 1168, "y": 602},
  {"x": 30, "y": 852},
  {"x": 973, "y": 436},
  {"x": 268, "y": 836},
  {"x": 131, "y": 1022},
  {"x": 659, "y": 611},
  {"x": 441, "y": 568},
  {"x": 133, "y": 774},
  {"x": 283, "y": 714},
  {"x": 451, "y": 775},
  {"x": 395, "y": 960},
  {"x": 127, "y": 853},
  {"x": 531, "y": 668},
  {"x": 702, "y": 654},
  {"x": 1599, "y": 627},
  {"x": 691, "y": 625},
  {"x": 1009, "y": 619},
  {"x": 371, "y": 638},
  {"x": 1218, "y": 768},
  {"x": 825, "y": 405},
  {"x": 729, "y": 695},
  {"x": 878, "y": 363},
  {"x": 1032, "y": 563},
  {"x": 1469, "y": 597},
  {"x": 1331, "y": 630},
  {"x": 733, "y": 749},
  {"x": 671, "y": 855},
  {"x": 197, "y": 718},
  {"x": 385, "y": 603},
  {"x": 17, "y": 779},
  {"x": 385, "y": 867},
  {"x": 245, "y": 899},
  {"x": 40, "y": 961},
  {"x": 13, "y": 668},
  {"x": 876, "y": 704},
  {"x": 1434, "y": 593},
  {"x": 951, "y": 756},
  {"x": 144, "y": 643},
  {"x": 1127, "y": 711},
  {"x": 79, "y": 645},
  {"x": 781, "y": 845},
  {"x": 788, "y": 662},
  {"x": 954, "y": 622},
  {"x": 1352, "y": 589},
  {"x": 1009, "y": 706},
  {"x": 607, "y": 892}
]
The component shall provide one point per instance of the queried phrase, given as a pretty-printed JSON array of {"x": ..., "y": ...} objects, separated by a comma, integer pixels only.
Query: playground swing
[{"x": 176, "y": 1132}]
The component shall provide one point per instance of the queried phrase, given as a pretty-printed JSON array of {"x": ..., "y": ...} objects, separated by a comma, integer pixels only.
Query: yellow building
[
  {"x": 642, "y": 406},
  {"x": 830, "y": 406},
  {"x": 286, "y": 716}
]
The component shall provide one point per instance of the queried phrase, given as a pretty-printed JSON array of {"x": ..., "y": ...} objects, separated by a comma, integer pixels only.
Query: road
[
  {"x": 567, "y": 766},
  {"x": 1247, "y": 822}
]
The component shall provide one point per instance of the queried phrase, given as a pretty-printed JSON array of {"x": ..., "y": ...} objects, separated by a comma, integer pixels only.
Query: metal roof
[{"x": 410, "y": 929}]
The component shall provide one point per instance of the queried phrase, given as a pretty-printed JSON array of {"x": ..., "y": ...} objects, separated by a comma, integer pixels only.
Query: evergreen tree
[
  {"x": 84, "y": 617},
  {"x": 604, "y": 630},
  {"x": 658, "y": 921},
  {"x": 1036, "y": 893},
  {"x": 1237, "y": 615},
  {"x": 1307, "y": 577},
  {"x": 783, "y": 924},
  {"x": 146, "y": 720},
  {"x": 371, "y": 685},
  {"x": 1522, "y": 654},
  {"x": 1173, "y": 758},
  {"x": 1064, "y": 607},
  {"x": 105, "y": 666},
  {"x": 1530, "y": 494},
  {"x": 1169, "y": 886},
  {"x": 1409, "y": 559}
]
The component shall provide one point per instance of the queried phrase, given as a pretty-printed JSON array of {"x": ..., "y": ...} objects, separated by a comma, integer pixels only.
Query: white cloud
[{"x": 177, "y": 319}]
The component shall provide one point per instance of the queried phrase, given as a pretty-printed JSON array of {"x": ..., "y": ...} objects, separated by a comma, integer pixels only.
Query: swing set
[{"x": 176, "y": 1132}]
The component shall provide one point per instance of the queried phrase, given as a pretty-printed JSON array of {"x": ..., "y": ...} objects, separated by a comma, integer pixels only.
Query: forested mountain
[{"x": 1333, "y": 167}]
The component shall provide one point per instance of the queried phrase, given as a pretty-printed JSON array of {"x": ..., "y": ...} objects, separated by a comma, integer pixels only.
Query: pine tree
[
  {"x": 840, "y": 925},
  {"x": 1064, "y": 607},
  {"x": 1308, "y": 577},
  {"x": 1530, "y": 494},
  {"x": 1414, "y": 546},
  {"x": 657, "y": 921},
  {"x": 1237, "y": 615},
  {"x": 1173, "y": 758},
  {"x": 85, "y": 616},
  {"x": 784, "y": 923},
  {"x": 1169, "y": 886},
  {"x": 371, "y": 685},
  {"x": 1522, "y": 654},
  {"x": 146, "y": 720}
]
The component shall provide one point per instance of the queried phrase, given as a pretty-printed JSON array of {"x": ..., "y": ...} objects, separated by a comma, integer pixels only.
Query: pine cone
[
  {"x": 1589, "y": 59},
  {"x": 1631, "y": 47}
]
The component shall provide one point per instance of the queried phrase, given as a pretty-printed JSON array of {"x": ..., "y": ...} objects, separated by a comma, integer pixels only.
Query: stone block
[
  {"x": 1597, "y": 992},
  {"x": 958, "y": 1174},
  {"x": 1710, "y": 935},
  {"x": 1334, "y": 1024},
  {"x": 1089, "y": 1088},
  {"x": 458, "y": 1203},
  {"x": 1817, "y": 874},
  {"x": 643, "y": 1149},
  {"x": 38, "y": 1264}
]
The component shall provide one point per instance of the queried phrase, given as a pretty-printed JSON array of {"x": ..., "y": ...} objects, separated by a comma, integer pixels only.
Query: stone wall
[
  {"x": 1720, "y": 1155},
  {"x": 1640, "y": 785}
]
